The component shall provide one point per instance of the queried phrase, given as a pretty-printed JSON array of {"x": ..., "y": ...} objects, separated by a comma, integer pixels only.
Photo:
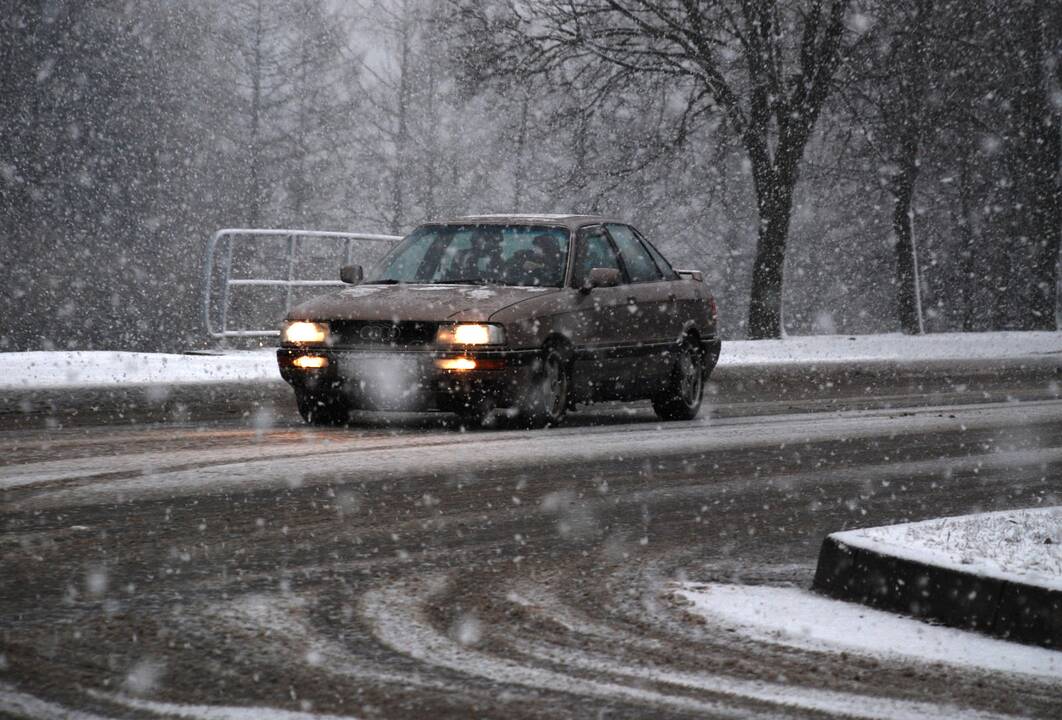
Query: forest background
[{"x": 827, "y": 164}]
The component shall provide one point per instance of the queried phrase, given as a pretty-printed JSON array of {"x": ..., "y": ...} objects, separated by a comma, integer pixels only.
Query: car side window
[
  {"x": 594, "y": 251},
  {"x": 661, "y": 262},
  {"x": 640, "y": 265}
]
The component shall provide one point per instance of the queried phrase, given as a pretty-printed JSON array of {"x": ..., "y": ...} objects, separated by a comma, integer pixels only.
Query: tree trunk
[
  {"x": 519, "y": 171},
  {"x": 1039, "y": 152},
  {"x": 969, "y": 244},
  {"x": 765, "y": 306},
  {"x": 255, "y": 209},
  {"x": 398, "y": 180},
  {"x": 907, "y": 289}
]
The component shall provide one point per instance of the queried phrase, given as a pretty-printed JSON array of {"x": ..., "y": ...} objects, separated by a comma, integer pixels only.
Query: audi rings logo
[{"x": 379, "y": 333}]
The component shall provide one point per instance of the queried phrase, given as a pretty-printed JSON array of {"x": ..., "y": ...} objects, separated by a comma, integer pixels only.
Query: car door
[
  {"x": 690, "y": 303},
  {"x": 600, "y": 318},
  {"x": 654, "y": 323}
]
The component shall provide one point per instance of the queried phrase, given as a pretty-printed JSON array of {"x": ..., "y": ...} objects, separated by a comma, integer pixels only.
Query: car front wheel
[
  {"x": 681, "y": 400},
  {"x": 547, "y": 399}
]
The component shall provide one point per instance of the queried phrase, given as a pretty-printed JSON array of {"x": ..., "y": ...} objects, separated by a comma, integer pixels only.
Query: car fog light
[
  {"x": 310, "y": 362},
  {"x": 461, "y": 363}
]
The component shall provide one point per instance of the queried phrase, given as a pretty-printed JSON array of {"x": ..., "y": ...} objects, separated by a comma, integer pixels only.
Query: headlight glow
[
  {"x": 470, "y": 334},
  {"x": 304, "y": 333}
]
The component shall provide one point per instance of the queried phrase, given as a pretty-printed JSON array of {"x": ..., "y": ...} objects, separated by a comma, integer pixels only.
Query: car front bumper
[{"x": 410, "y": 379}]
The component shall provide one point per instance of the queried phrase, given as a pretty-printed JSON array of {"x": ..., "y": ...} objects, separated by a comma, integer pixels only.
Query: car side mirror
[
  {"x": 351, "y": 274},
  {"x": 601, "y": 277}
]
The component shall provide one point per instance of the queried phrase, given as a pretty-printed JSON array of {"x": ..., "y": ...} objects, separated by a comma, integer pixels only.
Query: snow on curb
[
  {"x": 90, "y": 368},
  {"x": 84, "y": 368},
  {"x": 1000, "y": 573},
  {"x": 795, "y": 617},
  {"x": 894, "y": 347}
]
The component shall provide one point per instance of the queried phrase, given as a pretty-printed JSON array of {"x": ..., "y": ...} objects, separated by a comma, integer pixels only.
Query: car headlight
[
  {"x": 470, "y": 334},
  {"x": 301, "y": 332}
]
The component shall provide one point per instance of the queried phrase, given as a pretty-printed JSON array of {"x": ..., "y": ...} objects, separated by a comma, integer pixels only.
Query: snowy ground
[
  {"x": 81, "y": 368},
  {"x": 63, "y": 369},
  {"x": 894, "y": 346},
  {"x": 1023, "y": 546},
  {"x": 795, "y": 617}
]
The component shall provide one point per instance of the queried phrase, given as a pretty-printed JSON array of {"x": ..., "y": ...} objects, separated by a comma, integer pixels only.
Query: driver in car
[{"x": 538, "y": 265}]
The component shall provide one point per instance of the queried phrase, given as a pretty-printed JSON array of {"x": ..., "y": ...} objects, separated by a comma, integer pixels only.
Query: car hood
[{"x": 414, "y": 302}]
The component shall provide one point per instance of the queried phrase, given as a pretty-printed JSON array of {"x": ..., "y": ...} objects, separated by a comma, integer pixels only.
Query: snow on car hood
[{"x": 414, "y": 302}]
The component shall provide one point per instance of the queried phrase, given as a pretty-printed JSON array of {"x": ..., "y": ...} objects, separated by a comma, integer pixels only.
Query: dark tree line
[{"x": 862, "y": 165}]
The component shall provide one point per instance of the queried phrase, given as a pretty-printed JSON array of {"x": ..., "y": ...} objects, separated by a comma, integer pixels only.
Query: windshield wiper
[
  {"x": 383, "y": 282},
  {"x": 464, "y": 281}
]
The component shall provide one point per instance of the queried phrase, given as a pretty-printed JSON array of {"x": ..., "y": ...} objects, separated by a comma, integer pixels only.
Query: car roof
[{"x": 570, "y": 221}]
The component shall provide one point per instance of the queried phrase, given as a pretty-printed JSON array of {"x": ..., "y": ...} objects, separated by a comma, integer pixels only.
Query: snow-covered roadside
[
  {"x": 799, "y": 618},
  {"x": 82, "y": 368},
  {"x": 832, "y": 349},
  {"x": 1020, "y": 546}
]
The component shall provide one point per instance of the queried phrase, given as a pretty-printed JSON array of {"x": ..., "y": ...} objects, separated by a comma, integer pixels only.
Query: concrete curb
[{"x": 1016, "y": 611}]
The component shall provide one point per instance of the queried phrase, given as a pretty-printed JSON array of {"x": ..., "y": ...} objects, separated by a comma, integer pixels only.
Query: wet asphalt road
[{"x": 170, "y": 549}]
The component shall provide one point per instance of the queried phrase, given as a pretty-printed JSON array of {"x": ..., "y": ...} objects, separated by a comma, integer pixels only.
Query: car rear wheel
[
  {"x": 324, "y": 410},
  {"x": 547, "y": 399},
  {"x": 681, "y": 400}
]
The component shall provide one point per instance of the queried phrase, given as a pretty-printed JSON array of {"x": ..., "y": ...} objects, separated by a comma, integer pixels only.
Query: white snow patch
[
  {"x": 1023, "y": 546},
  {"x": 360, "y": 291},
  {"x": 834, "y": 349},
  {"x": 213, "y": 712},
  {"x": 479, "y": 294},
  {"x": 799, "y": 618},
  {"x": 24, "y": 705},
  {"x": 144, "y": 676},
  {"x": 91, "y": 368}
]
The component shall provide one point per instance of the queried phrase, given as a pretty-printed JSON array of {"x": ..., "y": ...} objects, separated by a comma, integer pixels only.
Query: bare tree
[
  {"x": 767, "y": 67},
  {"x": 1036, "y": 154}
]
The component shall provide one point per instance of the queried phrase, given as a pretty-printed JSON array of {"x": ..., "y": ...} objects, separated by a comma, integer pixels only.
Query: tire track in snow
[{"x": 398, "y": 621}]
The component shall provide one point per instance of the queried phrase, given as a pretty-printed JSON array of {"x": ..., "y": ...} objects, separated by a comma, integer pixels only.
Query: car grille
[{"x": 381, "y": 334}]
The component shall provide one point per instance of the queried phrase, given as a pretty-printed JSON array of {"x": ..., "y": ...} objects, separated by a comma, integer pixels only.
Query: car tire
[
  {"x": 681, "y": 400},
  {"x": 546, "y": 401},
  {"x": 323, "y": 410}
]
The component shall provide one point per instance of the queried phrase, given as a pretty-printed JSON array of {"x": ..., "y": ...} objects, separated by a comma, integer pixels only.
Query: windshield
[{"x": 523, "y": 255}]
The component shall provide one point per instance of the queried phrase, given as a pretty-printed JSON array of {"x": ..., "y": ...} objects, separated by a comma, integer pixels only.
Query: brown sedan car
[{"x": 531, "y": 313}]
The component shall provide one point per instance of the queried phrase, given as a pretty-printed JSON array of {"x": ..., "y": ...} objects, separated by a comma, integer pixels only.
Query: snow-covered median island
[
  {"x": 83, "y": 368},
  {"x": 999, "y": 573},
  {"x": 1020, "y": 546},
  {"x": 799, "y": 618}
]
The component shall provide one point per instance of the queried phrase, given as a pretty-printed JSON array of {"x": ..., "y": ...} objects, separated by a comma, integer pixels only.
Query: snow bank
[
  {"x": 826, "y": 349},
  {"x": 67, "y": 369},
  {"x": 798, "y": 618},
  {"x": 23, "y": 370},
  {"x": 1022, "y": 546}
]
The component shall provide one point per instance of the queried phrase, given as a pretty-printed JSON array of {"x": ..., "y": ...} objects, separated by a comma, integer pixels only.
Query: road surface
[{"x": 200, "y": 553}]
